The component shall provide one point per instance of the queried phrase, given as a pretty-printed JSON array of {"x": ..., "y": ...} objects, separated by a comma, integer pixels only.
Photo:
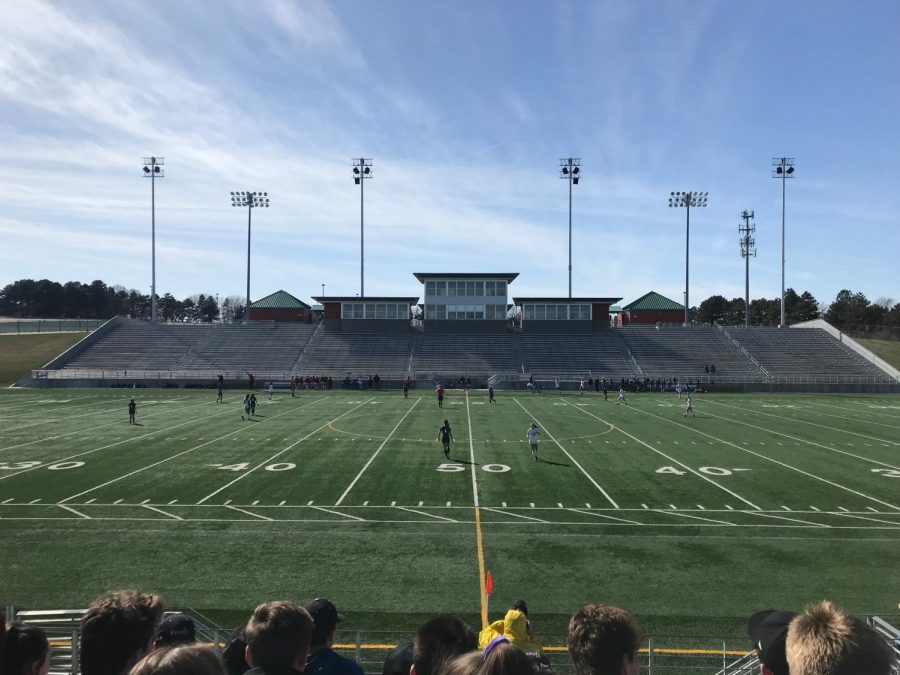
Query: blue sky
[{"x": 466, "y": 108}]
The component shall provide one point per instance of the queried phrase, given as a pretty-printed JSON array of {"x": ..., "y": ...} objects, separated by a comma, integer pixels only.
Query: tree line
[
  {"x": 849, "y": 311},
  {"x": 45, "y": 299}
]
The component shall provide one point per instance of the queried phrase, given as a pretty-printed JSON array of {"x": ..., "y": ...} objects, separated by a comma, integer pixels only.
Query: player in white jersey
[
  {"x": 621, "y": 396},
  {"x": 678, "y": 391},
  {"x": 533, "y": 433},
  {"x": 689, "y": 407}
]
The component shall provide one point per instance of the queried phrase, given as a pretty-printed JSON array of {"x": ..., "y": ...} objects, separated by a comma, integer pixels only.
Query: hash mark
[
  {"x": 393, "y": 503},
  {"x": 843, "y": 509},
  {"x": 309, "y": 503}
]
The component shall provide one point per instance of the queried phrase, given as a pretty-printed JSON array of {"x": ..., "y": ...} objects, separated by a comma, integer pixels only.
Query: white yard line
[
  {"x": 574, "y": 461},
  {"x": 844, "y": 417},
  {"x": 687, "y": 515},
  {"x": 163, "y": 461},
  {"x": 423, "y": 513},
  {"x": 278, "y": 454},
  {"x": 801, "y": 421},
  {"x": 793, "y": 520},
  {"x": 769, "y": 459},
  {"x": 671, "y": 459},
  {"x": 515, "y": 515},
  {"x": 120, "y": 407},
  {"x": 101, "y": 426},
  {"x": 77, "y": 513},
  {"x": 472, "y": 456},
  {"x": 337, "y": 513},
  {"x": 249, "y": 513},
  {"x": 165, "y": 513},
  {"x": 874, "y": 520},
  {"x": 372, "y": 458},
  {"x": 603, "y": 515},
  {"x": 795, "y": 438}
]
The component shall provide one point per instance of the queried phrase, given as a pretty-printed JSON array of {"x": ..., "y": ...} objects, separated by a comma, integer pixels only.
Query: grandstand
[
  {"x": 603, "y": 353},
  {"x": 456, "y": 355},
  {"x": 340, "y": 354},
  {"x": 255, "y": 346},
  {"x": 139, "y": 345}
]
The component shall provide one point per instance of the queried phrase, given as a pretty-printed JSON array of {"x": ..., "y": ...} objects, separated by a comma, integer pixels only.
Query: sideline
[{"x": 479, "y": 543}]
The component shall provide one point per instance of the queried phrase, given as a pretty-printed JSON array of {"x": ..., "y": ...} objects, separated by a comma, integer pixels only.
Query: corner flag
[{"x": 489, "y": 584}]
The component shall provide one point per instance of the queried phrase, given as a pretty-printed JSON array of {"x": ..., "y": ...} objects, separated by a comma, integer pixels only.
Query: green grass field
[
  {"x": 20, "y": 354},
  {"x": 691, "y": 523},
  {"x": 889, "y": 350}
]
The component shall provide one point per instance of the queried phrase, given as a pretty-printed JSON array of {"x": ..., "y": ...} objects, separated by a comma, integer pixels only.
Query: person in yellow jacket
[{"x": 514, "y": 627}]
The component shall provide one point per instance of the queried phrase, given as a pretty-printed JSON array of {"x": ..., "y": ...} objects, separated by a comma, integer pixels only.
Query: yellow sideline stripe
[
  {"x": 376, "y": 645},
  {"x": 478, "y": 541}
]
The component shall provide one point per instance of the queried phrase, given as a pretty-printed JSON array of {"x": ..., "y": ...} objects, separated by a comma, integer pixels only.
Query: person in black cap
[
  {"x": 768, "y": 631},
  {"x": 322, "y": 659},
  {"x": 175, "y": 629}
]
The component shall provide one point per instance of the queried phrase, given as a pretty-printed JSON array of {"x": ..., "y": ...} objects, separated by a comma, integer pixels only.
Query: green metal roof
[
  {"x": 653, "y": 302},
  {"x": 279, "y": 300}
]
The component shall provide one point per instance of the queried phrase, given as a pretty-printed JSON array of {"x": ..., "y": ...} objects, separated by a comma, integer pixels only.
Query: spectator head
[
  {"x": 233, "y": 653},
  {"x": 825, "y": 640},
  {"x": 175, "y": 629},
  {"x": 181, "y": 660},
  {"x": 768, "y": 633},
  {"x": 24, "y": 650},
  {"x": 464, "y": 664},
  {"x": 501, "y": 657},
  {"x": 399, "y": 660},
  {"x": 438, "y": 641},
  {"x": 277, "y": 636},
  {"x": 521, "y": 606},
  {"x": 326, "y": 618},
  {"x": 604, "y": 640},
  {"x": 117, "y": 630}
]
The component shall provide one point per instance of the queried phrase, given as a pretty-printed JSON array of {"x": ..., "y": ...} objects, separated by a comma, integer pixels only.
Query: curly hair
[{"x": 116, "y": 631}]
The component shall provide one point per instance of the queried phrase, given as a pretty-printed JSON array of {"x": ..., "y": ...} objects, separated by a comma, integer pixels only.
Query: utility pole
[
  {"x": 153, "y": 170},
  {"x": 362, "y": 170},
  {"x": 570, "y": 171},
  {"x": 687, "y": 200},
  {"x": 783, "y": 168},
  {"x": 748, "y": 248}
]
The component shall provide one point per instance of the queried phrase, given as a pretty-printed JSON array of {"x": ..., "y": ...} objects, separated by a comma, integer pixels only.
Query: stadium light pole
[
  {"x": 783, "y": 168},
  {"x": 153, "y": 170},
  {"x": 252, "y": 200},
  {"x": 687, "y": 200},
  {"x": 570, "y": 170},
  {"x": 362, "y": 170},
  {"x": 748, "y": 248}
]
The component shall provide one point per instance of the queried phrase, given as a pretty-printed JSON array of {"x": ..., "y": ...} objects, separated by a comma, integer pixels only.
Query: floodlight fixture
[
  {"x": 153, "y": 170},
  {"x": 748, "y": 248},
  {"x": 570, "y": 170},
  {"x": 783, "y": 168},
  {"x": 687, "y": 200},
  {"x": 362, "y": 171},
  {"x": 251, "y": 200}
]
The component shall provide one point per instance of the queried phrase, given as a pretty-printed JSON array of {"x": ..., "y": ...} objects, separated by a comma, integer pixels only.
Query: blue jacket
[{"x": 327, "y": 662}]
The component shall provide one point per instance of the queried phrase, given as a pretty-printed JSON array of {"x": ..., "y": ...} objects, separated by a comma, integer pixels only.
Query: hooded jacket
[{"x": 514, "y": 627}]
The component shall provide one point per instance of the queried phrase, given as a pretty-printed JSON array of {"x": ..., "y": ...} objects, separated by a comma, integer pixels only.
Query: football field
[{"x": 692, "y": 523}]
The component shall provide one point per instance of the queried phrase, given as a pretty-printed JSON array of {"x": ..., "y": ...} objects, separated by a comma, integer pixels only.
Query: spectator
[
  {"x": 277, "y": 638},
  {"x": 438, "y": 641},
  {"x": 399, "y": 660},
  {"x": 825, "y": 640},
  {"x": 117, "y": 631},
  {"x": 233, "y": 653},
  {"x": 322, "y": 659},
  {"x": 514, "y": 627},
  {"x": 176, "y": 629},
  {"x": 768, "y": 632},
  {"x": 24, "y": 650},
  {"x": 501, "y": 657},
  {"x": 182, "y": 660},
  {"x": 469, "y": 663},
  {"x": 604, "y": 640}
]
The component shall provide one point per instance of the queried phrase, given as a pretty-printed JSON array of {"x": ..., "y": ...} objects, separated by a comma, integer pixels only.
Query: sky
[{"x": 465, "y": 109}]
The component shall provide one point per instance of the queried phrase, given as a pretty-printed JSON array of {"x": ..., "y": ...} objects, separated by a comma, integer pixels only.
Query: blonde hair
[
  {"x": 464, "y": 664},
  {"x": 825, "y": 640},
  {"x": 184, "y": 660}
]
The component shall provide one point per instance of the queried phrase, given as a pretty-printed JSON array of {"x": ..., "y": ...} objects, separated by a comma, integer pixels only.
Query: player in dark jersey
[
  {"x": 491, "y": 398},
  {"x": 445, "y": 436},
  {"x": 405, "y": 388},
  {"x": 219, "y": 393},
  {"x": 132, "y": 409}
]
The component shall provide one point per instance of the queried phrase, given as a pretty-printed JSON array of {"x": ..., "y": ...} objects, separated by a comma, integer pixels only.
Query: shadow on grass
[{"x": 547, "y": 461}]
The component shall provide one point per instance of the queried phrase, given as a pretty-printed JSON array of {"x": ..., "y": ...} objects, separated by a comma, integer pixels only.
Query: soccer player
[
  {"x": 219, "y": 393},
  {"x": 689, "y": 406},
  {"x": 491, "y": 398},
  {"x": 132, "y": 409},
  {"x": 580, "y": 386},
  {"x": 252, "y": 404},
  {"x": 445, "y": 436},
  {"x": 605, "y": 391},
  {"x": 621, "y": 396},
  {"x": 440, "y": 395},
  {"x": 533, "y": 433},
  {"x": 246, "y": 413},
  {"x": 271, "y": 389},
  {"x": 406, "y": 388},
  {"x": 678, "y": 391},
  {"x": 556, "y": 385}
]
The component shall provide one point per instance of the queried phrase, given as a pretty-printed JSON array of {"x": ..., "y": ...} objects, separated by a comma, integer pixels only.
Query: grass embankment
[
  {"x": 20, "y": 354},
  {"x": 889, "y": 350}
]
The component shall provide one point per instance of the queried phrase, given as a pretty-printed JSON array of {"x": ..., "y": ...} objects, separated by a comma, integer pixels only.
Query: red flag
[{"x": 489, "y": 584}]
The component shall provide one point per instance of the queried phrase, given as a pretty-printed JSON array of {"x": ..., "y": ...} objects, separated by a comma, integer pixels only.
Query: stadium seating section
[{"x": 740, "y": 354}]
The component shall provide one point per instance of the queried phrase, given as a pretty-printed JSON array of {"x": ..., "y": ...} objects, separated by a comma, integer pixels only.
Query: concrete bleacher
[
  {"x": 337, "y": 354},
  {"x": 679, "y": 351},
  {"x": 140, "y": 345},
  {"x": 568, "y": 355},
  {"x": 802, "y": 351},
  {"x": 257, "y": 346},
  {"x": 457, "y": 354}
]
